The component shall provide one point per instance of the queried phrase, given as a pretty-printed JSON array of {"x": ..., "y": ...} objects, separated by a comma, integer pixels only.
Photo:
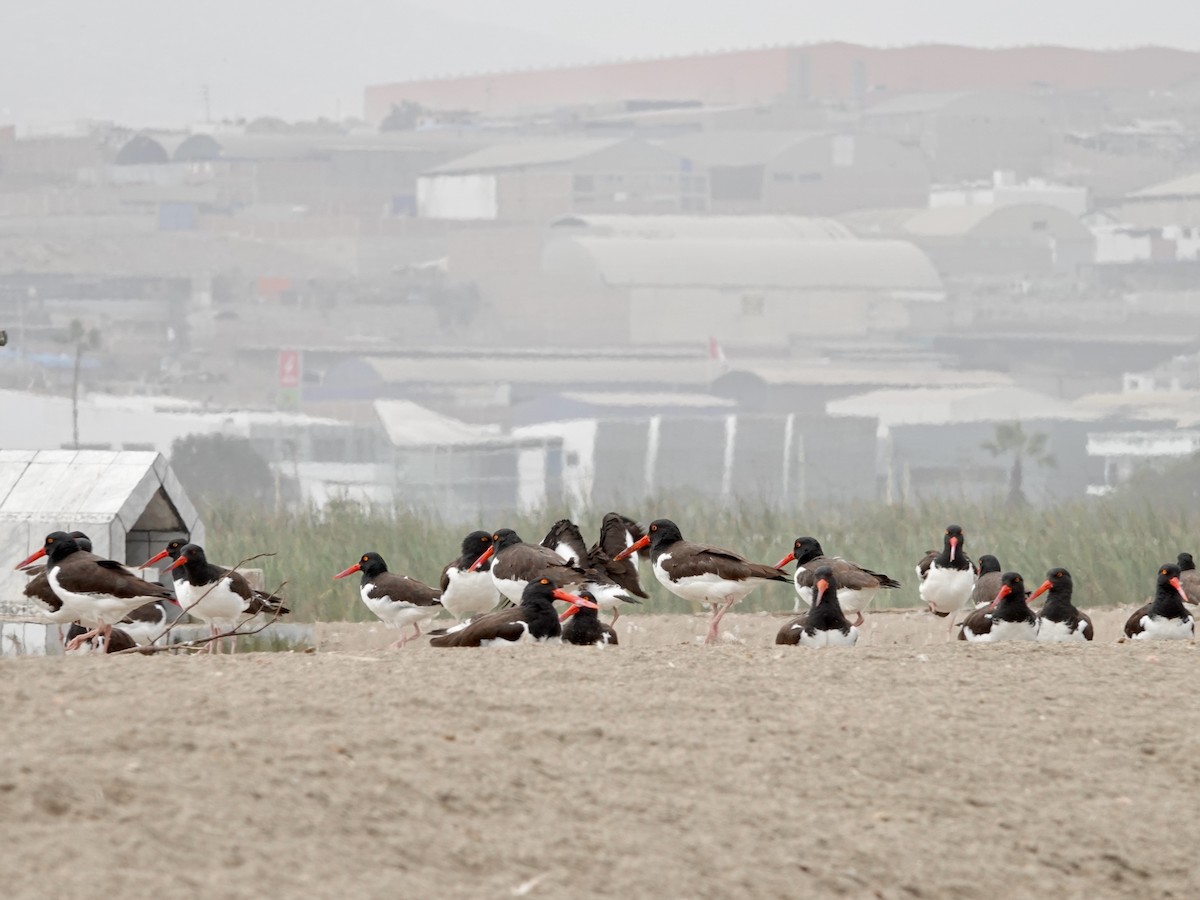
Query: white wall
[{"x": 457, "y": 197}]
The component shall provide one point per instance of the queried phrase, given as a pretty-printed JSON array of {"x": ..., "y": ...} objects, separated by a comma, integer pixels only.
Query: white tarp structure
[{"x": 128, "y": 502}]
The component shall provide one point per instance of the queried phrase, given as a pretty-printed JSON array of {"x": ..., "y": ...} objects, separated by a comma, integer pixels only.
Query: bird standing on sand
[
  {"x": 466, "y": 591},
  {"x": 221, "y": 597},
  {"x": 857, "y": 586},
  {"x": 701, "y": 573},
  {"x": 95, "y": 592},
  {"x": 398, "y": 600},
  {"x": 947, "y": 578}
]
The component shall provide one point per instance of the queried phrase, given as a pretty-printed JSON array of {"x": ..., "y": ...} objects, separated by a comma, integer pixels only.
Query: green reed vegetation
[{"x": 1111, "y": 547}]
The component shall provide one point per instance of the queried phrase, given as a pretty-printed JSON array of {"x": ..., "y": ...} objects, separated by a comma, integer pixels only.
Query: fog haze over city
[{"x": 483, "y": 258}]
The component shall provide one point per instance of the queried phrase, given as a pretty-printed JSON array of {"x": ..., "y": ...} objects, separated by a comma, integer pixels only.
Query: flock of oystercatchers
[{"x": 93, "y": 594}]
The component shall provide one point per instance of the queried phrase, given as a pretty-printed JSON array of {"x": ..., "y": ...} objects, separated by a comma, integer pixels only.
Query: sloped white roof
[
  {"x": 1187, "y": 186},
  {"x": 807, "y": 265},
  {"x": 409, "y": 424},
  {"x": 101, "y": 492}
]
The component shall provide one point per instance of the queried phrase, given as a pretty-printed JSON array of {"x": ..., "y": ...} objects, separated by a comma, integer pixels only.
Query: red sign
[{"x": 289, "y": 368}]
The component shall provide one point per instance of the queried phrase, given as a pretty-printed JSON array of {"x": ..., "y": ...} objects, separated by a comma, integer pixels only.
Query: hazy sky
[{"x": 149, "y": 61}]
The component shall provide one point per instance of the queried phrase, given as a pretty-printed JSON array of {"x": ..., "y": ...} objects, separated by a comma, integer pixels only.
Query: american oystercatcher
[
  {"x": 825, "y": 625},
  {"x": 617, "y": 534},
  {"x": 947, "y": 578},
  {"x": 1164, "y": 618},
  {"x": 1189, "y": 577},
  {"x": 398, "y": 600},
  {"x": 171, "y": 551},
  {"x": 987, "y": 582},
  {"x": 700, "y": 573},
  {"x": 1058, "y": 619},
  {"x": 221, "y": 597},
  {"x": 1007, "y": 618},
  {"x": 117, "y": 641},
  {"x": 97, "y": 593},
  {"x": 465, "y": 591},
  {"x": 38, "y": 589},
  {"x": 857, "y": 586},
  {"x": 149, "y": 622},
  {"x": 583, "y": 626},
  {"x": 534, "y": 620},
  {"x": 565, "y": 539},
  {"x": 515, "y": 565}
]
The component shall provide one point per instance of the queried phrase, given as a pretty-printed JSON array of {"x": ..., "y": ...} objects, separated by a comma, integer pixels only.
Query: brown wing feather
[
  {"x": 1191, "y": 584},
  {"x": 529, "y": 561},
  {"x": 849, "y": 575},
  {"x": 403, "y": 589},
  {"x": 790, "y": 633},
  {"x": 505, "y": 624},
  {"x": 687, "y": 559},
  {"x": 926, "y": 562},
  {"x": 38, "y": 589},
  {"x": 108, "y": 577},
  {"x": 977, "y": 620},
  {"x": 1134, "y": 624}
]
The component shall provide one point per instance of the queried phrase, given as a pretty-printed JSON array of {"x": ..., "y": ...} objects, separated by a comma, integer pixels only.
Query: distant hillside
[{"x": 67, "y": 59}]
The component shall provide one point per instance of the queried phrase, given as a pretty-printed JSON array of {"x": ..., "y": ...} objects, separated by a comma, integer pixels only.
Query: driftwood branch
[{"x": 155, "y": 647}]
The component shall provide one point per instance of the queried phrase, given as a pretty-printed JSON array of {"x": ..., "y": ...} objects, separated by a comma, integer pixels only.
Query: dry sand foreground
[{"x": 906, "y": 767}]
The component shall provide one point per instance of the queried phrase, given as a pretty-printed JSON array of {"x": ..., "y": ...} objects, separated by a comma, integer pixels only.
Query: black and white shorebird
[
  {"x": 1164, "y": 618},
  {"x": 534, "y": 620},
  {"x": 97, "y": 593},
  {"x": 468, "y": 591},
  {"x": 218, "y": 596},
  {"x": 601, "y": 571},
  {"x": 398, "y": 600},
  {"x": 1189, "y": 577},
  {"x": 857, "y": 585},
  {"x": 825, "y": 624},
  {"x": 1058, "y": 619},
  {"x": 1007, "y": 618},
  {"x": 701, "y": 573},
  {"x": 947, "y": 578},
  {"x": 582, "y": 625},
  {"x": 116, "y": 641},
  {"x": 516, "y": 565}
]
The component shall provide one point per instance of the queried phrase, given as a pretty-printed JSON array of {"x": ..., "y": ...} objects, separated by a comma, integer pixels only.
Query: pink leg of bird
[
  {"x": 859, "y": 620},
  {"x": 718, "y": 615},
  {"x": 616, "y": 613},
  {"x": 80, "y": 639}
]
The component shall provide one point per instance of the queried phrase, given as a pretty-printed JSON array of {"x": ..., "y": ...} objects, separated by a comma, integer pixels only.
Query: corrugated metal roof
[
  {"x": 103, "y": 493},
  {"x": 803, "y": 265},
  {"x": 737, "y": 148},
  {"x": 526, "y": 154},
  {"x": 734, "y": 227}
]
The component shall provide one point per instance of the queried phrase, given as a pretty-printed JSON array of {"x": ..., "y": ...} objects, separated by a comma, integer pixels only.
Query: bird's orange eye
[
  {"x": 364, "y": 559},
  {"x": 495, "y": 537},
  {"x": 545, "y": 581}
]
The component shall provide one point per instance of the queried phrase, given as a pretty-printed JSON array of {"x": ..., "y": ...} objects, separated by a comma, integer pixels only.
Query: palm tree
[
  {"x": 83, "y": 339},
  {"x": 1010, "y": 439}
]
